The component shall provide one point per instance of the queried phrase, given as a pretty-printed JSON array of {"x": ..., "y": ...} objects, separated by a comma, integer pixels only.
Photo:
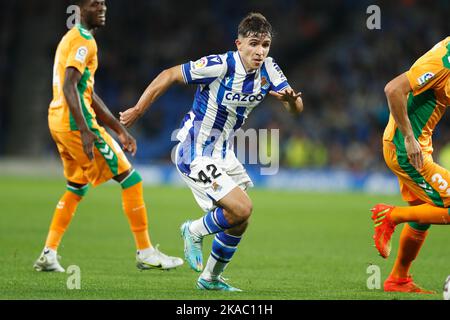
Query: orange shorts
[
  {"x": 109, "y": 159},
  {"x": 431, "y": 184}
]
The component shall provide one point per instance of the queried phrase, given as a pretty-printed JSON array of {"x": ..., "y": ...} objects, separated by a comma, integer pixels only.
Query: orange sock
[
  {"x": 422, "y": 214},
  {"x": 134, "y": 207},
  {"x": 64, "y": 212},
  {"x": 411, "y": 241}
]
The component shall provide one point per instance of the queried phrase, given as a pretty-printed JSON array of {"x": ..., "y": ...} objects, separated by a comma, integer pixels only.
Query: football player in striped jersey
[{"x": 229, "y": 87}]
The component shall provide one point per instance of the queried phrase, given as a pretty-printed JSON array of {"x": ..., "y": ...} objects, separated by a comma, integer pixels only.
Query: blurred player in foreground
[
  {"x": 89, "y": 154},
  {"x": 417, "y": 100},
  {"x": 230, "y": 86}
]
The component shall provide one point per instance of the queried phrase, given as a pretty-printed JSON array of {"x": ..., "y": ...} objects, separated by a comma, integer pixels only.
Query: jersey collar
[{"x": 238, "y": 59}]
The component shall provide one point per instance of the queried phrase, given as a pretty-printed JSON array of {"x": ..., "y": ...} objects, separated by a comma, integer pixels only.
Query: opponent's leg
[
  {"x": 62, "y": 216},
  {"x": 411, "y": 240},
  {"x": 421, "y": 214},
  {"x": 387, "y": 217},
  {"x": 415, "y": 190},
  {"x": 430, "y": 186},
  {"x": 147, "y": 256}
]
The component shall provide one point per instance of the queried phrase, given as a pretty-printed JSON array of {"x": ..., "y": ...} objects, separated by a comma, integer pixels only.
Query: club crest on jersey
[
  {"x": 425, "y": 78},
  {"x": 264, "y": 83},
  {"x": 216, "y": 187}
]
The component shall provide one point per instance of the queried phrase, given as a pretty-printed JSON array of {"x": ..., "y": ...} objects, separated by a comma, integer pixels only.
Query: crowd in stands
[{"x": 324, "y": 48}]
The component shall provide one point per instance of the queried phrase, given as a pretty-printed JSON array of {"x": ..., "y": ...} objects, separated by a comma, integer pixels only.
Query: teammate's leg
[
  {"x": 134, "y": 206},
  {"x": 62, "y": 216}
]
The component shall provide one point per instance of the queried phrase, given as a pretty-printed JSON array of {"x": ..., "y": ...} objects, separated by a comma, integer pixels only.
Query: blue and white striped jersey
[{"x": 225, "y": 96}]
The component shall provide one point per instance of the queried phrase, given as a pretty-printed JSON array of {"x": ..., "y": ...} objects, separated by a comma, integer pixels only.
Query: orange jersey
[
  {"x": 429, "y": 78},
  {"x": 77, "y": 49}
]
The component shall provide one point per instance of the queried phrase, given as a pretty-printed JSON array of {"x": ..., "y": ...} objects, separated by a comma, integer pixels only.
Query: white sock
[
  {"x": 49, "y": 252},
  {"x": 213, "y": 269},
  {"x": 198, "y": 228},
  {"x": 146, "y": 252}
]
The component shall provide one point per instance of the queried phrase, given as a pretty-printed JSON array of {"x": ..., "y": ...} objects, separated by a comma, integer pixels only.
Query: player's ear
[{"x": 238, "y": 43}]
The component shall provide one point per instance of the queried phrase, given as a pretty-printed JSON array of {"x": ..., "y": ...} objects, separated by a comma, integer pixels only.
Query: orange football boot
[
  {"x": 384, "y": 228},
  {"x": 403, "y": 285}
]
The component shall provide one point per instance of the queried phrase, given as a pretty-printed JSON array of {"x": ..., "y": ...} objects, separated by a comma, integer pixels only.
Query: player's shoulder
[
  {"x": 438, "y": 55},
  {"x": 270, "y": 63},
  {"x": 212, "y": 61},
  {"x": 83, "y": 32},
  {"x": 78, "y": 34},
  {"x": 443, "y": 45},
  {"x": 432, "y": 66},
  {"x": 268, "y": 60}
]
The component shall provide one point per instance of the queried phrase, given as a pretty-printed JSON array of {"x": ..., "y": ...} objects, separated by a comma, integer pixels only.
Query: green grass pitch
[{"x": 298, "y": 246}]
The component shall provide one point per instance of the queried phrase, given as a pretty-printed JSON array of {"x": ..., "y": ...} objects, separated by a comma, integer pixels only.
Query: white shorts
[{"x": 211, "y": 179}]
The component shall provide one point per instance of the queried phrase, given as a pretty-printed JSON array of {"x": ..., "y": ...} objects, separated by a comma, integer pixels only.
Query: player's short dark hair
[{"x": 255, "y": 24}]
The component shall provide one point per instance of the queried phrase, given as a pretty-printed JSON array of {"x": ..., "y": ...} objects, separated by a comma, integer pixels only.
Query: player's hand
[
  {"x": 414, "y": 152},
  {"x": 88, "y": 138},
  {"x": 287, "y": 95},
  {"x": 129, "y": 116},
  {"x": 128, "y": 142}
]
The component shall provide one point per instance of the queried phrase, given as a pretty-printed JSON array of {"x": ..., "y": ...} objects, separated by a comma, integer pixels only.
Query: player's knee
[
  {"x": 244, "y": 225},
  {"x": 78, "y": 189},
  {"x": 244, "y": 211},
  {"x": 248, "y": 210},
  {"x": 128, "y": 179}
]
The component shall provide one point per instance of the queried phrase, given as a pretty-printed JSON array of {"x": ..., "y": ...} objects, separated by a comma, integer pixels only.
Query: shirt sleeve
[
  {"x": 426, "y": 72},
  {"x": 80, "y": 53},
  {"x": 205, "y": 70},
  {"x": 278, "y": 80}
]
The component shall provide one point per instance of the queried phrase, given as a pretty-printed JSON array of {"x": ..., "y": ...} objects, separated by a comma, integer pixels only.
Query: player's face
[
  {"x": 94, "y": 13},
  {"x": 253, "y": 50}
]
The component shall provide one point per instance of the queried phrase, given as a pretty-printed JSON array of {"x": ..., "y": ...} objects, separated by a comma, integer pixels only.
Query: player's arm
[
  {"x": 104, "y": 115},
  {"x": 156, "y": 88},
  {"x": 291, "y": 101},
  {"x": 72, "y": 78},
  {"x": 397, "y": 91}
]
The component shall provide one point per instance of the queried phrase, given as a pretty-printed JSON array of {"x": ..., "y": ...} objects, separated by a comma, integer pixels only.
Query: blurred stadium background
[{"x": 325, "y": 50}]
